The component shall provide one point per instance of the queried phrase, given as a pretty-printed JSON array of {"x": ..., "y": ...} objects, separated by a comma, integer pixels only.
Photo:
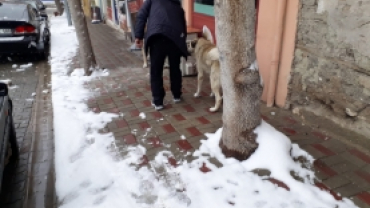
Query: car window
[{"x": 12, "y": 12}]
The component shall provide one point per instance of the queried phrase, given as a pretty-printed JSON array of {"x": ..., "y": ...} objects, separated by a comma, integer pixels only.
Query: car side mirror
[
  {"x": 43, "y": 7},
  {"x": 3, "y": 89}
]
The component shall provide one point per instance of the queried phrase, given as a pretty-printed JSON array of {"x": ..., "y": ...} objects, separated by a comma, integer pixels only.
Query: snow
[
  {"x": 6, "y": 81},
  {"x": 45, "y": 91},
  {"x": 13, "y": 87},
  {"x": 142, "y": 115},
  {"x": 25, "y": 66},
  {"x": 20, "y": 70},
  {"x": 33, "y": 94},
  {"x": 91, "y": 171},
  {"x": 320, "y": 6},
  {"x": 235, "y": 183},
  {"x": 14, "y": 66}
]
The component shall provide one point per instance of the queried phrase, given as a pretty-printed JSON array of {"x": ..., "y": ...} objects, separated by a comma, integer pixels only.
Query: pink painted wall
[
  {"x": 287, "y": 53},
  {"x": 276, "y": 88},
  {"x": 265, "y": 38}
]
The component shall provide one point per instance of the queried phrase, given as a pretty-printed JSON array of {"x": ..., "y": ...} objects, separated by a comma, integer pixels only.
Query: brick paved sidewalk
[{"x": 341, "y": 168}]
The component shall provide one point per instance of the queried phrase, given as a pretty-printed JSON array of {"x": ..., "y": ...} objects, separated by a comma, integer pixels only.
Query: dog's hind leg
[
  {"x": 216, "y": 89},
  {"x": 200, "y": 82}
]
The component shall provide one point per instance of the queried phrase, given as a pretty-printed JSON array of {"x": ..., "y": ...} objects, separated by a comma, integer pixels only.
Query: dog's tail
[
  {"x": 207, "y": 34},
  {"x": 214, "y": 55}
]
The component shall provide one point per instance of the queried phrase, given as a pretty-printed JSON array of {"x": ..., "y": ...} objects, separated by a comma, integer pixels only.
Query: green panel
[{"x": 204, "y": 9}]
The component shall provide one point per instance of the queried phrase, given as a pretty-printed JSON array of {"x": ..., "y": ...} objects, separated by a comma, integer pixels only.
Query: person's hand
[{"x": 139, "y": 43}]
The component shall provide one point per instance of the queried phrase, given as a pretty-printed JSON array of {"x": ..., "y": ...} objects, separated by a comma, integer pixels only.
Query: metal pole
[
  {"x": 68, "y": 13},
  {"x": 101, "y": 10},
  {"x": 128, "y": 13}
]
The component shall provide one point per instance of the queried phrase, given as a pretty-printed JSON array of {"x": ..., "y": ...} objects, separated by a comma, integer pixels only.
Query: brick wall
[{"x": 332, "y": 58}]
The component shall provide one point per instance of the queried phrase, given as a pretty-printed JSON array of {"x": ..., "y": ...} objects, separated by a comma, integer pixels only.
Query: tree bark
[
  {"x": 235, "y": 30},
  {"x": 87, "y": 57},
  {"x": 59, "y": 7}
]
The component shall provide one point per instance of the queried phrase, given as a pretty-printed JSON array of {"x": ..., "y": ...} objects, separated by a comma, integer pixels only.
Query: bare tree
[
  {"x": 87, "y": 57},
  {"x": 235, "y": 30},
  {"x": 59, "y": 7}
]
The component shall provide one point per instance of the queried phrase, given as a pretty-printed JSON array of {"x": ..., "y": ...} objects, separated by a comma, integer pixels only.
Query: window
[{"x": 204, "y": 7}]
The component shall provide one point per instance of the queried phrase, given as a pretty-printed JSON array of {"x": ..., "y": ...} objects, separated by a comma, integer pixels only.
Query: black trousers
[{"x": 161, "y": 47}]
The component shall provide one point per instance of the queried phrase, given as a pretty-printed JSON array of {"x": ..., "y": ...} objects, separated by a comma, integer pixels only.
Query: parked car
[
  {"x": 8, "y": 141},
  {"x": 23, "y": 30}
]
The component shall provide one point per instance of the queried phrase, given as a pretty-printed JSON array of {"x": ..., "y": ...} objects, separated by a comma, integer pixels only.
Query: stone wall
[{"x": 332, "y": 58}]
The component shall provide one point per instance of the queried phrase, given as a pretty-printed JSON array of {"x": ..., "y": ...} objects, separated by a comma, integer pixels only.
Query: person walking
[{"x": 165, "y": 37}]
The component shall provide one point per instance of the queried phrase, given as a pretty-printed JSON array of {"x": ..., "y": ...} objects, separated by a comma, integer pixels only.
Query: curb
[{"x": 33, "y": 129}]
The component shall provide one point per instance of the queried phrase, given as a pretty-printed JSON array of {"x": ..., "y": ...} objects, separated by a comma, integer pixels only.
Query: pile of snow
[
  {"x": 234, "y": 183},
  {"x": 92, "y": 172}
]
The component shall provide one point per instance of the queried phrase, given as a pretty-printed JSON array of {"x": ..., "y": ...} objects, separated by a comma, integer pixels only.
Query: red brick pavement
[{"x": 340, "y": 168}]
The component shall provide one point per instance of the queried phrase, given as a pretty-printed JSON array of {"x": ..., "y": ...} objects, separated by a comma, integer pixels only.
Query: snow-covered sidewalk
[{"x": 94, "y": 170}]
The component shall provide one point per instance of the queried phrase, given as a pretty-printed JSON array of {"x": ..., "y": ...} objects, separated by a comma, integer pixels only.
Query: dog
[{"x": 207, "y": 60}]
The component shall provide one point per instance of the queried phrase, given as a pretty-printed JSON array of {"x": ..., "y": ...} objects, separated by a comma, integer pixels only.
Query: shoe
[
  {"x": 177, "y": 100},
  {"x": 157, "y": 107}
]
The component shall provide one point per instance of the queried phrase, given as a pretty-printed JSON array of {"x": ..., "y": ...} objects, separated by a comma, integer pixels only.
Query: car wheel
[
  {"x": 47, "y": 36},
  {"x": 44, "y": 54}
]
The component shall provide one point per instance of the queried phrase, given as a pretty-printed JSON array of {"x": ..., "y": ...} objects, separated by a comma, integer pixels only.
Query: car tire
[{"x": 44, "y": 54}]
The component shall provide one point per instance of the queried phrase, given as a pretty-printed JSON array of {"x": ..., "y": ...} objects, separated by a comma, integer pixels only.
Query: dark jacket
[{"x": 165, "y": 17}]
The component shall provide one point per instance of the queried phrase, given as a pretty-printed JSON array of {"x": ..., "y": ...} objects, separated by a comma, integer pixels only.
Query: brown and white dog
[{"x": 207, "y": 60}]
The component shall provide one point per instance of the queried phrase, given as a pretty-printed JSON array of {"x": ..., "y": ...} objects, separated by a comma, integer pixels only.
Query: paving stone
[
  {"x": 333, "y": 160},
  {"x": 314, "y": 152},
  {"x": 170, "y": 138},
  {"x": 352, "y": 159},
  {"x": 349, "y": 190},
  {"x": 336, "y": 182},
  {"x": 360, "y": 203},
  {"x": 360, "y": 155},
  {"x": 343, "y": 167},
  {"x": 362, "y": 199},
  {"x": 356, "y": 179}
]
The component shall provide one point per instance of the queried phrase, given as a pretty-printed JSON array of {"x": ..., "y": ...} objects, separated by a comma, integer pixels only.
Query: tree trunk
[
  {"x": 59, "y": 7},
  {"x": 87, "y": 57},
  {"x": 235, "y": 30}
]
